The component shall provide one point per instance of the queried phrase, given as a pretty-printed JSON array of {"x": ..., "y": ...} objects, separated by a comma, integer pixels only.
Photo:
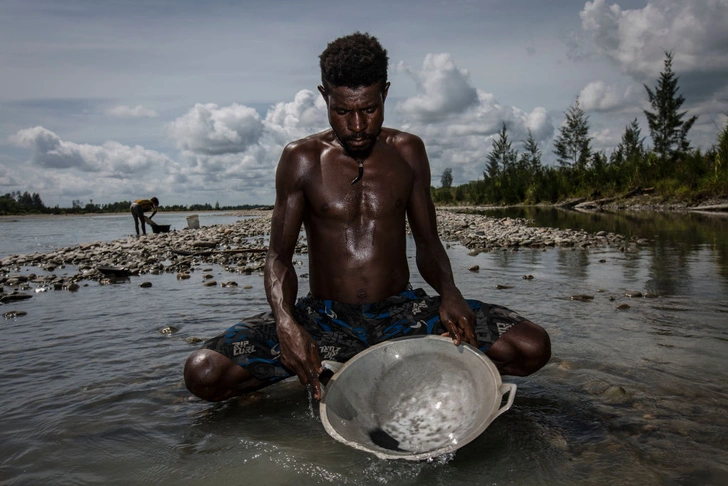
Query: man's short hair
[{"x": 354, "y": 61}]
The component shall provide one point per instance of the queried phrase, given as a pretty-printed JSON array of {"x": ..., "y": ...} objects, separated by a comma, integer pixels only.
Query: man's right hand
[{"x": 299, "y": 353}]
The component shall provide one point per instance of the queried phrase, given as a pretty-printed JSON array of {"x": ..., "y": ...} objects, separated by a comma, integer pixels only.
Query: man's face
[{"x": 356, "y": 115}]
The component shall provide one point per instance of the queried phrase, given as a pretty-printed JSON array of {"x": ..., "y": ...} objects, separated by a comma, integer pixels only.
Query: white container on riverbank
[{"x": 193, "y": 221}]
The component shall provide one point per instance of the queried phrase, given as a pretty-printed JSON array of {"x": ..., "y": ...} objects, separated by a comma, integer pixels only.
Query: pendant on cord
[{"x": 361, "y": 173}]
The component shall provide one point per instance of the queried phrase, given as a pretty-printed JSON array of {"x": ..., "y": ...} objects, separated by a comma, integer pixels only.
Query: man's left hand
[{"x": 459, "y": 319}]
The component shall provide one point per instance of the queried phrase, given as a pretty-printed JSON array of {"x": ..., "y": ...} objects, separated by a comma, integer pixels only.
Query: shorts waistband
[{"x": 409, "y": 292}]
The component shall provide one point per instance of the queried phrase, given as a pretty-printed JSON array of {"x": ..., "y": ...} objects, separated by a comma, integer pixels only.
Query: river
[{"x": 635, "y": 393}]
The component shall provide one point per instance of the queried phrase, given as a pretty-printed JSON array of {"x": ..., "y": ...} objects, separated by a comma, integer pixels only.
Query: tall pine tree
[
  {"x": 446, "y": 179},
  {"x": 501, "y": 155},
  {"x": 573, "y": 146},
  {"x": 667, "y": 128},
  {"x": 531, "y": 155}
]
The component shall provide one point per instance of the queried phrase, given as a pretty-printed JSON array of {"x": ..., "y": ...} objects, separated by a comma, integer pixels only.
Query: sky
[{"x": 192, "y": 101}]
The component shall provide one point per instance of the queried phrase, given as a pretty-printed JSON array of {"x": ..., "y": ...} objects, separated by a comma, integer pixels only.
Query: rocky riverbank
[{"x": 241, "y": 247}]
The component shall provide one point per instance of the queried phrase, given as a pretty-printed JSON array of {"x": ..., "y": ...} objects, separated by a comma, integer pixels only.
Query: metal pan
[{"x": 413, "y": 398}]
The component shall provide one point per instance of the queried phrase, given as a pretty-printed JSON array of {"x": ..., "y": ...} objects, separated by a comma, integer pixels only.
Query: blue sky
[{"x": 193, "y": 101}]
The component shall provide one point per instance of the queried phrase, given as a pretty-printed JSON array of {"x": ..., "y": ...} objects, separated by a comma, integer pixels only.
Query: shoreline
[
  {"x": 236, "y": 212},
  {"x": 639, "y": 201}
]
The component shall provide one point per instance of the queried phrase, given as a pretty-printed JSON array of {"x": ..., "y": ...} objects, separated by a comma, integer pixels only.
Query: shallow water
[{"x": 93, "y": 391}]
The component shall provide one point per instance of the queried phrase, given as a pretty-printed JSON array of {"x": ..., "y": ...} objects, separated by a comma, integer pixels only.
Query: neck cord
[
  {"x": 360, "y": 162},
  {"x": 361, "y": 173}
]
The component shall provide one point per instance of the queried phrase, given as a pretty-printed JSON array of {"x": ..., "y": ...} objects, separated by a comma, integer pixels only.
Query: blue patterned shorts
[{"x": 343, "y": 330}]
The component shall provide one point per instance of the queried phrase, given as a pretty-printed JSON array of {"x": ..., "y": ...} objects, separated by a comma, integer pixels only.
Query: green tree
[
  {"x": 667, "y": 128},
  {"x": 573, "y": 146},
  {"x": 25, "y": 199},
  {"x": 37, "y": 201},
  {"x": 721, "y": 153},
  {"x": 631, "y": 148},
  {"x": 446, "y": 179},
  {"x": 531, "y": 155},
  {"x": 501, "y": 155}
]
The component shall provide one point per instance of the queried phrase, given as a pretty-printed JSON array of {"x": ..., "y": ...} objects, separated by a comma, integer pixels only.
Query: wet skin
[{"x": 356, "y": 240}]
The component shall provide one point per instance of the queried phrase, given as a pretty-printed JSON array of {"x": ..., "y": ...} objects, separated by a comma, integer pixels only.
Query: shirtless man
[{"x": 351, "y": 187}]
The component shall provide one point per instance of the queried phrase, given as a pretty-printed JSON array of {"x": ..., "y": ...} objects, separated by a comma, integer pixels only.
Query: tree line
[
  {"x": 671, "y": 167},
  {"x": 17, "y": 203}
]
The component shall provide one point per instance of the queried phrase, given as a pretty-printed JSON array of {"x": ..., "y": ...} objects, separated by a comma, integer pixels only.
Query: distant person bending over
[
  {"x": 351, "y": 187},
  {"x": 141, "y": 206}
]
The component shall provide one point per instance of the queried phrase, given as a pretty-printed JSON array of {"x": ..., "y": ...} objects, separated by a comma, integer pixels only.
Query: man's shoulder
[
  {"x": 304, "y": 155},
  {"x": 397, "y": 138},
  {"x": 409, "y": 146},
  {"x": 312, "y": 144}
]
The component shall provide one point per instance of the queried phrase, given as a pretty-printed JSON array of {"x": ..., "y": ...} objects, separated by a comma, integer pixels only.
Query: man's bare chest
[{"x": 380, "y": 193}]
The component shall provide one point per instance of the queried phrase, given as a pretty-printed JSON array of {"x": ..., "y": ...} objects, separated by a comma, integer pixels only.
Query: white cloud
[
  {"x": 599, "y": 96},
  {"x": 233, "y": 141},
  {"x": 442, "y": 90},
  {"x": 138, "y": 111},
  {"x": 212, "y": 130},
  {"x": 7, "y": 180},
  {"x": 49, "y": 151},
  {"x": 228, "y": 153},
  {"x": 306, "y": 114},
  {"x": 459, "y": 131},
  {"x": 695, "y": 31},
  {"x": 604, "y": 139}
]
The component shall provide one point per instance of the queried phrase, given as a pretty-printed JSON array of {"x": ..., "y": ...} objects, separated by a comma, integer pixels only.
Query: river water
[{"x": 92, "y": 391}]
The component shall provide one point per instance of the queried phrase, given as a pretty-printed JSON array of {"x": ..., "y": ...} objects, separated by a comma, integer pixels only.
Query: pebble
[
  {"x": 15, "y": 296},
  {"x": 564, "y": 365},
  {"x": 582, "y": 297},
  {"x": 616, "y": 394}
]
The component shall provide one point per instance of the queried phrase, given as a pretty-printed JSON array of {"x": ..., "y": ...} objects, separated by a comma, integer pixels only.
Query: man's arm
[
  {"x": 432, "y": 261},
  {"x": 299, "y": 352}
]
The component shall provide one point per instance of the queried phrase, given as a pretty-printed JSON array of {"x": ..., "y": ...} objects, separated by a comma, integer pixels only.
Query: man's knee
[
  {"x": 523, "y": 350},
  {"x": 537, "y": 347},
  {"x": 204, "y": 374}
]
